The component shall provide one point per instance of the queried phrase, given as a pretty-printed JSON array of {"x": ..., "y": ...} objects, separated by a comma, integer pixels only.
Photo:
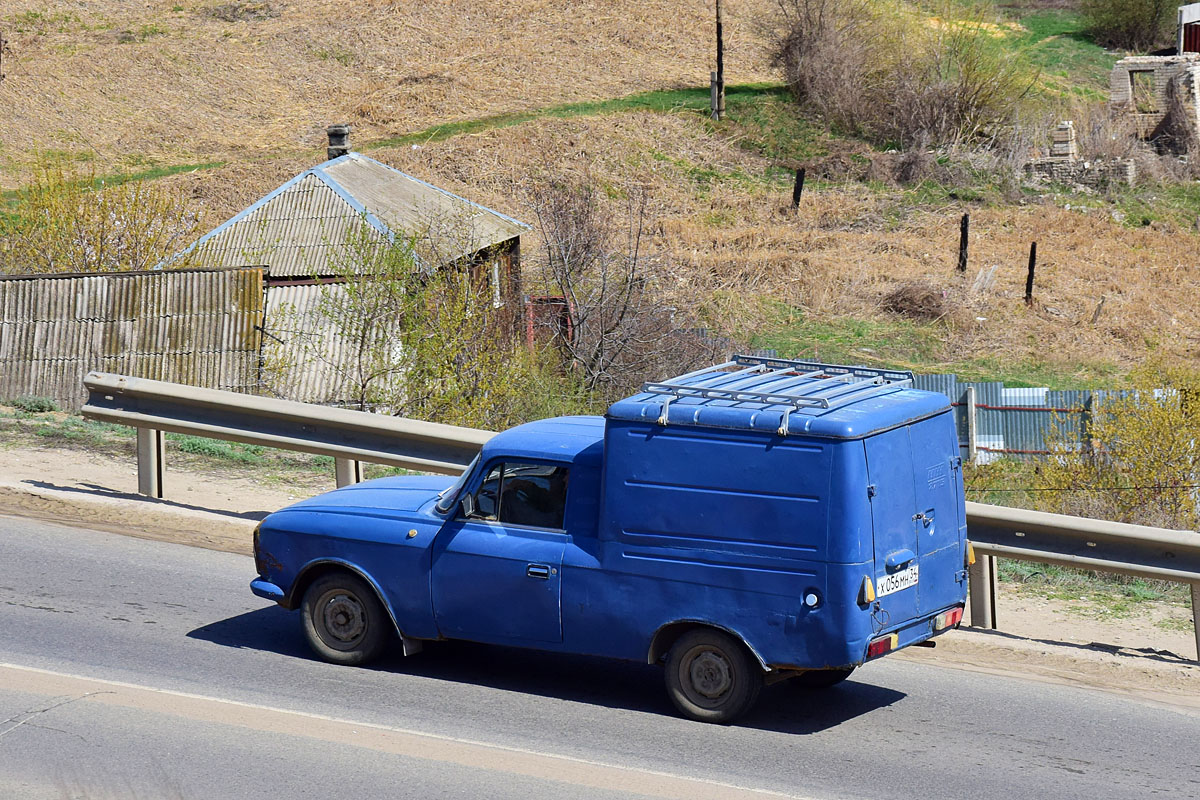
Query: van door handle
[
  {"x": 898, "y": 559},
  {"x": 541, "y": 571}
]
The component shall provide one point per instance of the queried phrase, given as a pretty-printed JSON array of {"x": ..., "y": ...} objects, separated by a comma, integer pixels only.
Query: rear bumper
[
  {"x": 914, "y": 631},
  {"x": 266, "y": 590}
]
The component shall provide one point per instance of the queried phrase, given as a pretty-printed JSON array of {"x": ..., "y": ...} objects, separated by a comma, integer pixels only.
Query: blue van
[{"x": 756, "y": 521}]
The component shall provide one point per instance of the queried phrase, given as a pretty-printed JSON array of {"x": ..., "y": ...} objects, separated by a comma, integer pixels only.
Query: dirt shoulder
[{"x": 1146, "y": 653}]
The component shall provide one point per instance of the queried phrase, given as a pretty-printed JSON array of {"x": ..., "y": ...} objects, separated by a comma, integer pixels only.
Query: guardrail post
[
  {"x": 972, "y": 427},
  {"x": 981, "y": 588},
  {"x": 150, "y": 462},
  {"x": 347, "y": 471},
  {"x": 1196, "y": 615}
]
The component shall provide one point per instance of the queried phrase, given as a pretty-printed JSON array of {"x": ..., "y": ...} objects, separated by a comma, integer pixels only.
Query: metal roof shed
[{"x": 295, "y": 230}]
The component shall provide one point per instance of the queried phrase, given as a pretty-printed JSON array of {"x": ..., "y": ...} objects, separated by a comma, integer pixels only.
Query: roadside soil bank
[{"x": 1148, "y": 652}]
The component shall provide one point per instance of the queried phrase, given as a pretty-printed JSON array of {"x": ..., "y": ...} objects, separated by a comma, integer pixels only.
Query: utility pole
[{"x": 719, "y": 105}]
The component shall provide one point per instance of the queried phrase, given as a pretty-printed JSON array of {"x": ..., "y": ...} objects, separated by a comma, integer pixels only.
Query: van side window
[
  {"x": 533, "y": 494},
  {"x": 523, "y": 494}
]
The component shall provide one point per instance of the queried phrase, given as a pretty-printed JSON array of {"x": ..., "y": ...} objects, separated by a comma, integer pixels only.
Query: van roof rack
[{"x": 780, "y": 382}]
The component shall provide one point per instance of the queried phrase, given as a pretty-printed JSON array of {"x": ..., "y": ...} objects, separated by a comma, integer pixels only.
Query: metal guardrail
[
  {"x": 348, "y": 436},
  {"x": 353, "y": 436},
  {"x": 1135, "y": 550}
]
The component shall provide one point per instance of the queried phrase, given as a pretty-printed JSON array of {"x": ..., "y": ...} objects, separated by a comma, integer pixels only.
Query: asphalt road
[{"x": 138, "y": 669}]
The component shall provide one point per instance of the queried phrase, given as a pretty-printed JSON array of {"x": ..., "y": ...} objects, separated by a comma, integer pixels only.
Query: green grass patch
[
  {"x": 1070, "y": 62},
  {"x": 1029, "y": 373},
  {"x": 1181, "y": 624},
  {"x": 219, "y": 449},
  {"x": 769, "y": 122},
  {"x": 1176, "y": 203},
  {"x": 41, "y": 23},
  {"x": 1108, "y": 594},
  {"x": 76, "y": 431},
  {"x": 844, "y": 340},
  {"x": 35, "y": 405},
  {"x": 12, "y": 197},
  {"x": 662, "y": 101}
]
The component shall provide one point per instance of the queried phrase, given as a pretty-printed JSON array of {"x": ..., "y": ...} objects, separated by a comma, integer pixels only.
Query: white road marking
[{"x": 382, "y": 738}]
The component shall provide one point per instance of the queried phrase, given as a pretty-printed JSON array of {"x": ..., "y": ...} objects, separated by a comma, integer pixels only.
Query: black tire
[
  {"x": 821, "y": 678},
  {"x": 344, "y": 621},
  {"x": 711, "y": 676}
]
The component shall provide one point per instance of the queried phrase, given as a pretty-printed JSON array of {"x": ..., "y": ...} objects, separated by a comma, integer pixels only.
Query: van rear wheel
[
  {"x": 711, "y": 677},
  {"x": 821, "y": 678}
]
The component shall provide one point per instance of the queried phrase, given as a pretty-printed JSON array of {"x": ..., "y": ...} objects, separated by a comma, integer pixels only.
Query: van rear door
[
  {"x": 893, "y": 507},
  {"x": 939, "y": 526}
]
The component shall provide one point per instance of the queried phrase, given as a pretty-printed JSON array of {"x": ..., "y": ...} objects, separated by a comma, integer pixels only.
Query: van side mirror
[{"x": 468, "y": 505}]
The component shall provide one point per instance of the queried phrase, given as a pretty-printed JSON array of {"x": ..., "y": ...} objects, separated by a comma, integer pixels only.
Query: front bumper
[{"x": 266, "y": 590}]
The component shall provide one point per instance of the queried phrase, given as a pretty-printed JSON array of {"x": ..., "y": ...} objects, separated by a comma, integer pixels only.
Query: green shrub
[
  {"x": 218, "y": 449},
  {"x": 1138, "y": 25},
  {"x": 35, "y": 405},
  {"x": 68, "y": 219}
]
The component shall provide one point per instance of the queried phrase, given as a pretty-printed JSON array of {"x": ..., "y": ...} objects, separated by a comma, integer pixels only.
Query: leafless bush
[
  {"x": 880, "y": 70},
  {"x": 620, "y": 332},
  {"x": 915, "y": 164},
  {"x": 918, "y": 301}
]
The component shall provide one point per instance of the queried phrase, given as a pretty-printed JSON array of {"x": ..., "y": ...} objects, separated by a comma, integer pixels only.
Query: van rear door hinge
[{"x": 870, "y": 490}]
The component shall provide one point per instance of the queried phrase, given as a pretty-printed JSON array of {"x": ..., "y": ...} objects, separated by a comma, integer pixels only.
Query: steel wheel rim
[
  {"x": 343, "y": 619},
  {"x": 707, "y": 676}
]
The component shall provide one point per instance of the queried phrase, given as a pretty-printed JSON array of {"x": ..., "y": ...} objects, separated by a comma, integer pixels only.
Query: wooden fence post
[
  {"x": 798, "y": 188},
  {"x": 1029, "y": 277},
  {"x": 720, "y": 104},
  {"x": 963, "y": 226}
]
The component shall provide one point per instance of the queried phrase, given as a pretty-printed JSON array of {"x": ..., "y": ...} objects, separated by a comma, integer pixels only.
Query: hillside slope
[
  {"x": 251, "y": 85},
  {"x": 141, "y": 84}
]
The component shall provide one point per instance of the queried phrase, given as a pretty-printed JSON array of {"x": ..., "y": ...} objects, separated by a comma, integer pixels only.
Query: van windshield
[{"x": 449, "y": 496}]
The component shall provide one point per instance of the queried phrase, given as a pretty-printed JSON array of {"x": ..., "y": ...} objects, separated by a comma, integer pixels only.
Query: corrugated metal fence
[
  {"x": 1010, "y": 422},
  {"x": 200, "y": 327}
]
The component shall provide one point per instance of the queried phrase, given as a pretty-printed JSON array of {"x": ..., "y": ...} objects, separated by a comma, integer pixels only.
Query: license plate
[{"x": 896, "y": 581}]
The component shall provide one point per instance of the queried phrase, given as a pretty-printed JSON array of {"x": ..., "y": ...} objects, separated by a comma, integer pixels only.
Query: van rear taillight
[
  {"x": 948, "y": 619},
  {"x": 882, "y": 645}
]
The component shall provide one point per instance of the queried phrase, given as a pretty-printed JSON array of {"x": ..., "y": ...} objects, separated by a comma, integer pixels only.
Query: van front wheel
[
  {"x": 344, "y": 621},
  {"x": 711, "y": 677}
]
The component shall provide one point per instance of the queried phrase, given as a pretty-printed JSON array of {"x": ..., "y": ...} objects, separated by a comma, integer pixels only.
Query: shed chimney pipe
[{"x": 339, "y": 140}]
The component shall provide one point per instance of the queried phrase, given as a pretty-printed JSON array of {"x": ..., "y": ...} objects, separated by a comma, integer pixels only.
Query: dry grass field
[
  {"x": 754, "y": 267},
  {"x": 132, "y": 87},
  {"x": 149, "y": 83}
]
